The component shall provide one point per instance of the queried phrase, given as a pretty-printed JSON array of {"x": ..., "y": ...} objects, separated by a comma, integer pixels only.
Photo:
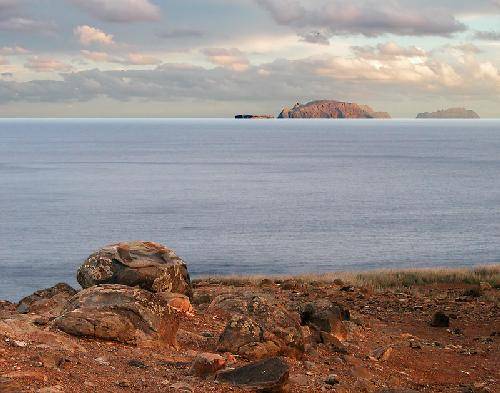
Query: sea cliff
[{"x": 330, "y": 109}]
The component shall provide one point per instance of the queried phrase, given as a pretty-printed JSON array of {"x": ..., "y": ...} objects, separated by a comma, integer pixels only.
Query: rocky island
[
  {"x": 140, "y": 323},
  {"x": 451, "y": 113},
  {"x": 254, "y": 116},
  {"x": 330, "y": 109}
]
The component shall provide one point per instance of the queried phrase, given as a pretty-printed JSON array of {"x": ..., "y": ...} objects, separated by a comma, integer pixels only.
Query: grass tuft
[{"x": 382, "y": 279}]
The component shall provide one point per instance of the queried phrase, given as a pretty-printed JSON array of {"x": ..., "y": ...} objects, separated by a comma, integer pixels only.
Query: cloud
[
  {"x": 487, "y": 35},
  {"x": 128, "y": 59},
  {"x": 387, "y": 50},
  {"x": 367, "y": 17},
  {"x": 4, "y": 61},
  {"x": 123, "y": 11},
  {"x": 453, "y": 73},
  {"x": 315, "y": 37},
  {"x": 88, "y": 35},
  {"x": 13, "y": 50},
  {"x": 46, "y": 64},
  {"x": 180, "y": 33},
  {"x": 232, "y": 58},
  {"x": 21, "y": 24}
]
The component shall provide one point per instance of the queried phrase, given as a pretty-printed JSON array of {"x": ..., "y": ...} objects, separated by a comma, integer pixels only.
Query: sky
[{"x": 217, "y": 58}]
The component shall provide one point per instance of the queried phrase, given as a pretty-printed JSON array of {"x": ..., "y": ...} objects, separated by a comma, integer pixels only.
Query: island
[
  {"x": 331, "y": 109},
  {"x": 254, "y": 117},
  {"x": 451, "y": 113}
]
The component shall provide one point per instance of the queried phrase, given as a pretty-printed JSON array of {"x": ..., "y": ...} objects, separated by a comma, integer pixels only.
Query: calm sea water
[{"x": 236, "y": 196}]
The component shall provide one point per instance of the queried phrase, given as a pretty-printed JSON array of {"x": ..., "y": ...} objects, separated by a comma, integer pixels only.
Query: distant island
[
  {"x": 331, "y": 109},
  {"x": 254, "y": 117},
  {"x": 451, "y": 113}
]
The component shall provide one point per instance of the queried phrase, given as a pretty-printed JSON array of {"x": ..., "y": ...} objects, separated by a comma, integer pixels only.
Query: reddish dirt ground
[{"x": 461, "y": 358}]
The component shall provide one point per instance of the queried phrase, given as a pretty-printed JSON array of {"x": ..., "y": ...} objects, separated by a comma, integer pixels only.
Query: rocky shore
[{"x": 141, "y": 324}]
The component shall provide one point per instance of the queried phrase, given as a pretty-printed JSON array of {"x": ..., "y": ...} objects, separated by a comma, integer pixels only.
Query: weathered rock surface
[
  {"x": 260, "y": 326},
  {"x": 324, "y": 316},
  {"x": 207, "y": 363},
  {"x": 119, "y": 313},
  {"x": 48, "y": 302},
  {"x": 269, "y": 375},
  {"x": 147, "y": 265},
  {"x": 330, "y": 109},
  {"x": 451, "y": 113}
]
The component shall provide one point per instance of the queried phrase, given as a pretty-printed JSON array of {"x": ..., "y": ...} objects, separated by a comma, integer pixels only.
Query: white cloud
[
  {"x": 22, "y": 24},
  {"x": 88, "y": 35},
  {"x": 13, "y": 50},
  {"x": 368, "y": 17},
  {"x": 46, "y": 64},
  {"x": 231, "y": 58},
  {"x": 128, "y": 59},
  {"x": 120, "y": 10}
]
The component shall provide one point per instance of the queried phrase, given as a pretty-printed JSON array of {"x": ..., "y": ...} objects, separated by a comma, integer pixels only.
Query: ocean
[{"x": 247, "y": 196}]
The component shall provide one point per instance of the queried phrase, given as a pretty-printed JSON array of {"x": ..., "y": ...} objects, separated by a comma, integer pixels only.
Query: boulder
[
  {"x": 324, "y": 316},
  {"x": 119, "y": 313},
  {"x": 147, "y": 265},
  {"x": 260, "y": 327},
  {"x": 48, "y": 302},
  {"x": 270, "y": 375}
]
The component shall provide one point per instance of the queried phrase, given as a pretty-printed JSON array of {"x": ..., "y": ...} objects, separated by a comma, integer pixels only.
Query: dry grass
[{"x": 382, "y": 279}]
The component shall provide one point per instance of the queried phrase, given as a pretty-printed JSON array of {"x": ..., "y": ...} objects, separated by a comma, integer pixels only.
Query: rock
[
  {"x": 451, "y": 113},
  {"x": 270, "y": 374},
  {"x": 332, "y": 379},
  {"x": 201, "y": 298},
  {"x": 178, "y": 302},
  {"x": 333, "y": 343},
  {"x": 48, "y": 302},
  {"x": 440, "y": 319},
  {"x": 261, "y": 327},
  {"x": 181, "y": 387},
  {"x": 325, "y": 316},
  {"x": 382, "y": 353},
  {"x": 207, "y": 363},
  {"x": 395, "y": 390},
  {"x": 147, "y": 265},
  {"x": 331, "y": 109},
  {"x": 119, "y": 313},
  {"x": 473, "y": 292},
  {"x": 137, "y": 363}
]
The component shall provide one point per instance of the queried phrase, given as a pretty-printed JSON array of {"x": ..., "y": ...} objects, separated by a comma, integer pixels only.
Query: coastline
[{"x": 375, "y": 331}]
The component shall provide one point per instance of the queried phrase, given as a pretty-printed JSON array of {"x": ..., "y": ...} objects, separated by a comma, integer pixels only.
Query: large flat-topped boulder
[
  {"x": 119, "y": 313},
  {"x": 258, "y": 326},
  {"x": 147, "y": 265}
]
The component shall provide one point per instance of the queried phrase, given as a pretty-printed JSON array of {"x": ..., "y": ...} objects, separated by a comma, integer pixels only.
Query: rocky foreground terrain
[
  {"x": 330, "y": 109},
  {"x": 140, "y": 324},
  {"x": 451, "y": 113}
]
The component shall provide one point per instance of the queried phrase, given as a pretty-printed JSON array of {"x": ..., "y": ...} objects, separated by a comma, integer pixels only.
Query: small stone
[
  {"x": 19, "y": 344},
  {"x": 102, "y": 361},
  {"x": 207, "y": 363},
  {"x": 269, "y": 374},
  {"x": 136, "y": 363},
  {"x": 382, "y": 353},
  {"x": 181, "y": 387},
  {"x": 440, "y": 319},
  {"x": 332, "y": 380}
]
